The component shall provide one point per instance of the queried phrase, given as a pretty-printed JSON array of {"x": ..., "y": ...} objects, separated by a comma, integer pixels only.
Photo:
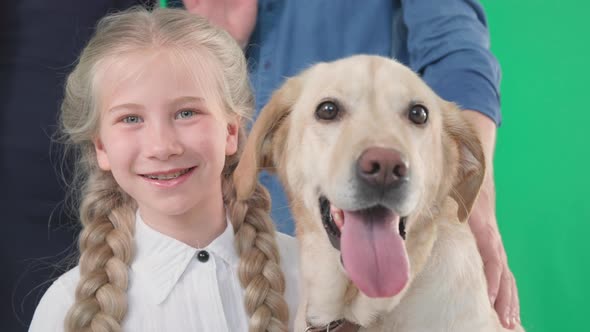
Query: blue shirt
[{"x": 446, "y": 42}]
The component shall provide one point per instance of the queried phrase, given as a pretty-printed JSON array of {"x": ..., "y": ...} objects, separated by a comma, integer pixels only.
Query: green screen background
[{"x": 542, "y": 156}]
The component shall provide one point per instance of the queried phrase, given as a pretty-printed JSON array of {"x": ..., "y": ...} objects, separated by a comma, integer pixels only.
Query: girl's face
[{"x": 163, "y": 136}]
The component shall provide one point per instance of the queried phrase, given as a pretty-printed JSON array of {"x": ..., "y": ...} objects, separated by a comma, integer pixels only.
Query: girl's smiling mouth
[{"x": 169, "y": 178}]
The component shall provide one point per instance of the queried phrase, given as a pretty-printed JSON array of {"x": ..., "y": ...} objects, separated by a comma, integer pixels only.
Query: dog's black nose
[{"x": 382, "y": 167}]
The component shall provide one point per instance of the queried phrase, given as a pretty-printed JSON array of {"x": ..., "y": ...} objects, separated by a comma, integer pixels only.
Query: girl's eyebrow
[
  {"x": 174, "y": 102},
  {"x": 187, "y": 99},
  {"x": 126, "y": 107}
]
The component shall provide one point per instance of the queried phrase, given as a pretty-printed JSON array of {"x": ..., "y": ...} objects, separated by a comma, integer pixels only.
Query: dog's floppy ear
[
  {"x": 471, "y": 164},
  {"x": 258, "y": 152}
]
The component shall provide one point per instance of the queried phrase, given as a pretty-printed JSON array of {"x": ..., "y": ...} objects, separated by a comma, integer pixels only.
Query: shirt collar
[{"x": 160, "y": 260}]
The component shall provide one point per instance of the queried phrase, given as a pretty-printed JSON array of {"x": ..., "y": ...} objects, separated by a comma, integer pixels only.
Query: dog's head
[{"x": 370, "y": 152}]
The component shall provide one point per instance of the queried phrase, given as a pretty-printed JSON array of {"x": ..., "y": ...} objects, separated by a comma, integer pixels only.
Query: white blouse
[{"x": 171, "y": 289}]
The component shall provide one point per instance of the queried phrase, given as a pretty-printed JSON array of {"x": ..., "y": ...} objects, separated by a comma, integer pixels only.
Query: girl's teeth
[{"x": 168, "y": 176}]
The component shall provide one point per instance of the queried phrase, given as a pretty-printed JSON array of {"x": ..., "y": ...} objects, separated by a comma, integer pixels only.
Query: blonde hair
[{"x": 108, "y": 214}]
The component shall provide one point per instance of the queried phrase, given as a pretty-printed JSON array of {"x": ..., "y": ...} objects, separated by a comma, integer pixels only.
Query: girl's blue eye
[
  {"x": 185, "y": 114},
  {"x": 131, "y": 119}
]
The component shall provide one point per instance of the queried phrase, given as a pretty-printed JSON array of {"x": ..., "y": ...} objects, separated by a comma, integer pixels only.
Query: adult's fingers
[
  {"x": 493, "y": 270},
  {"x": 515, "y": 302},
  {"x": 504, "y": 300}
]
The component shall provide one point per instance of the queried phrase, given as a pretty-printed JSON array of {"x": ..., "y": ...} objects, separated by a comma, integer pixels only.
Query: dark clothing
[{"x": 40, "y": 41}]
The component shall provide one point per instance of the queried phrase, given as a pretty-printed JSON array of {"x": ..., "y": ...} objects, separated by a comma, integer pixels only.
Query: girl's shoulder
[
  {"x": 289, "y": 251},
  {"x": 55, "y": 303},
  {"x": 288, "y": 248},
  {"x": 286, "y": 239},
  {"x": 69, "y": 280}
]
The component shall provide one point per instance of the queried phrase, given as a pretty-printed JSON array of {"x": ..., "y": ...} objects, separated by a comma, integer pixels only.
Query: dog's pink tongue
[{"x": 373, "y": 252}]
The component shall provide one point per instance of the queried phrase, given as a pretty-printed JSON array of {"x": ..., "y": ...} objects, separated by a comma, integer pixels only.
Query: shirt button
[{"x": 203, "y": 256}]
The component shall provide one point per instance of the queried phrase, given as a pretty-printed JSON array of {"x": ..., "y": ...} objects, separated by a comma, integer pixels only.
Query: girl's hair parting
[{"x": 108, "y": 214}]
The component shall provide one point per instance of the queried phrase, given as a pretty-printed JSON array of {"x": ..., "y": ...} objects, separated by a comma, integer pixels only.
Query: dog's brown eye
[
  {"x": 327, "y": 111},
  {"x": 418, "y": 114}
]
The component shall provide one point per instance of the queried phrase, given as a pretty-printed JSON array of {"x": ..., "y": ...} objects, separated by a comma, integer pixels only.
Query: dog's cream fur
[{"x": 446, "y": 290}]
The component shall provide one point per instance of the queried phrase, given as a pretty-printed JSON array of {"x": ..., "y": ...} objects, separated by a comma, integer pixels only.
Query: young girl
[{"x": 154, "y": 110}]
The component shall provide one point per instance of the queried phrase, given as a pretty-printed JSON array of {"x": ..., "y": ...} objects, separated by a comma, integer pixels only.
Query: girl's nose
[{"x": 162, "y": 142}]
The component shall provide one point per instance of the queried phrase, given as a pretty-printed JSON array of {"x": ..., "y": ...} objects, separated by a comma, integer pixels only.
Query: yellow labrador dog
[{"x": 381, "y": 175}]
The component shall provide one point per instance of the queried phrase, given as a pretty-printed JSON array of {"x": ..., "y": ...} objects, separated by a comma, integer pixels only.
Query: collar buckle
[{"x": 340, "y": 325}]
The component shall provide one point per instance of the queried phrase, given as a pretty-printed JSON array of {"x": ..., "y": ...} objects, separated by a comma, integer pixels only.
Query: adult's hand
[
  {"x": 502, "y": 289},
  {"x": 238, "y": 17}
]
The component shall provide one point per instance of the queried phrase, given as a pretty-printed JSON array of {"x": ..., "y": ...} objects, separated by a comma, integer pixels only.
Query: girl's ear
[
  {"x": 231, "y": 143},
  {"x": 101, "y": 155}
]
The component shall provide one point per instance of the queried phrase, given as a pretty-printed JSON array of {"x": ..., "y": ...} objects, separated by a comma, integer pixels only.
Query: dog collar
[{"x": 341, "y": 325}]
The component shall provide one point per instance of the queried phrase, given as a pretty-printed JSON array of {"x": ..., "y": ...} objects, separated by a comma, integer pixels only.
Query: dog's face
[{"x": 370, "y": 153}]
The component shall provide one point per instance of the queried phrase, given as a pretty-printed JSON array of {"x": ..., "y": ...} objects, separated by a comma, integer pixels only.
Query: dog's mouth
[
  {"x": 333, "y": 221},
  {"x": 371, "y": 242}
]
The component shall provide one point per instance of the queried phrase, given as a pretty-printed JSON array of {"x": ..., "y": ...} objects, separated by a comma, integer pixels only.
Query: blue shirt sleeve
[{"x": 448, "y": 44}]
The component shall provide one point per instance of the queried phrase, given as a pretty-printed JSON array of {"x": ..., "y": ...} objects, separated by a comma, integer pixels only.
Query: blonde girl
[{"x": 154, "y": 111}]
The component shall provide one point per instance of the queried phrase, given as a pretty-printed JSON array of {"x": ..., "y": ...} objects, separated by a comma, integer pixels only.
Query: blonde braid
[
  {"x": 106, "y": 247},
  {"x": 260, "y": 271}
]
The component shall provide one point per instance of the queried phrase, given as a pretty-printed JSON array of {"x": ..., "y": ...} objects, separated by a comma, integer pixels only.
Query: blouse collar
[{"x": 161, "y": 260}]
